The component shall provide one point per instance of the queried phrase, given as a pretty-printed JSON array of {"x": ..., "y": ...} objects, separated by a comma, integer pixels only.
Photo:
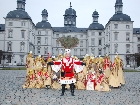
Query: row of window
[
  {"x": 39, "y": 40},
  {"x": 22, "y": 48},
  {"x": 57, "y": 43},
  {"x": 9, "y": 46},
  {"x": 93, "y": 42},
  {"x": 127, "y": 37},
  {"x": 93, "y": 33},
  {"x": 116, "y": 37},
  {"x": 39, "y": 33},
  {"x": 116, "y": 26},
  {"x": 81, "y": 36},
  {"x": 22, "y": 24},
  {"x": 69, "y": 22},
  {"x": 10, "y": 34},
  {"x": 127, "y": 48}
]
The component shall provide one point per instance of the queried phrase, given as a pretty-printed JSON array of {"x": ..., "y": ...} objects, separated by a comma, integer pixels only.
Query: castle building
[{"x": 19, "y": 35}]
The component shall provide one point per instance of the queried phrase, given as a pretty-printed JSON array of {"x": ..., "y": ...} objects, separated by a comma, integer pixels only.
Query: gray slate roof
[
  {"x": 70, "y": 11},
  {"x": 18, "y": 14},
  {"x": 118, "y": 2},
  {"x": 2, "y": 27},
  {"x": 96, "y": 26},
  {"x": 95, "y": 13},
  {"x": 120, "y": 17},
  {"x": 69, "y": 29},
  {"x": 136, "y": 30},
  {"x": 43, "y": 24}
]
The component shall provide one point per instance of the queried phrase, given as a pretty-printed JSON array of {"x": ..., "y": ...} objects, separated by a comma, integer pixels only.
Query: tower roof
[
  {"x": 119, "y": 2},
  {"x": 96, "y": 26},
  {"x": 95, "y": 13},
  {"x": 120, "y": 17},
  {"x": 18, "y": 14},
  {"x": 44, "y": 12},
  {"x": 70, "y": 11},
  {"x": 43, "y": 24}
]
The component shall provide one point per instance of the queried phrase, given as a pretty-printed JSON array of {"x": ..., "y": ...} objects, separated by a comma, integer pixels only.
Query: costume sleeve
[
  {"x": 113, "y": 64},
  {"x": 77, "y": 66},
  {"x": 77, "y": 62},
  {"x": 57, "y": 66}
]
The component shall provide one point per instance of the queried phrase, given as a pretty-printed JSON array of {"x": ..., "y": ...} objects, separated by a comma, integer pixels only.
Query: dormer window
[
  {"x": 137, "y": 32},
  {"x": 121, "y": 19}
]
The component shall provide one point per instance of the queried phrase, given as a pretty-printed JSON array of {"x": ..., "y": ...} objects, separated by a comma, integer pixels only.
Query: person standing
[{"x": 67, "y": 64}]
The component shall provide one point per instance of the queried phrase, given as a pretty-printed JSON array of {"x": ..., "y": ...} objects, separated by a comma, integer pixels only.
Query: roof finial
[{"x": 70, "y": 5}]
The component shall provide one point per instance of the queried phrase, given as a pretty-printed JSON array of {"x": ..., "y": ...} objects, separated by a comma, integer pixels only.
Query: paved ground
[{"x": 11, "y": 93}]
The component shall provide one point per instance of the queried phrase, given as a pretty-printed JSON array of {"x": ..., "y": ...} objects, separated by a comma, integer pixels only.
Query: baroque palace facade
[{"x": 19, "y": 35}]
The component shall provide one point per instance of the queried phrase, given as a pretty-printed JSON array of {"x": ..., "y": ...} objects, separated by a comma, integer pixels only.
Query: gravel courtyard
[{"x": 11, "y": 92}]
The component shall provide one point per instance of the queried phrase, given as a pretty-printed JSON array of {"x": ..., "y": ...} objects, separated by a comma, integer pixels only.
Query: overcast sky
[{"x": 84, "y": 10}]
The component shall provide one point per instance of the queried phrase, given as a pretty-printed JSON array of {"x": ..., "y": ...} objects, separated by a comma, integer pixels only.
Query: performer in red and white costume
[
  {"x": 91, "y": 80},
  {"x": 68, "y": 65},
  {"x": 107, "y": 64}
]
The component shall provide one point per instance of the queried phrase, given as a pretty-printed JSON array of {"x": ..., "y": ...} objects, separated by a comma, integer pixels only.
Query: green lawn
[
  {"x": 14, "y": 68},
  {"x": 131, "y": 70}
]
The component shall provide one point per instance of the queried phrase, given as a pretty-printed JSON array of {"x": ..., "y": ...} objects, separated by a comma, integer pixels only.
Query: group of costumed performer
[
  {"x": 37, "y": 72},
  {"x": 93, "y": 73},
  {"x": 104, "y": 74}
]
